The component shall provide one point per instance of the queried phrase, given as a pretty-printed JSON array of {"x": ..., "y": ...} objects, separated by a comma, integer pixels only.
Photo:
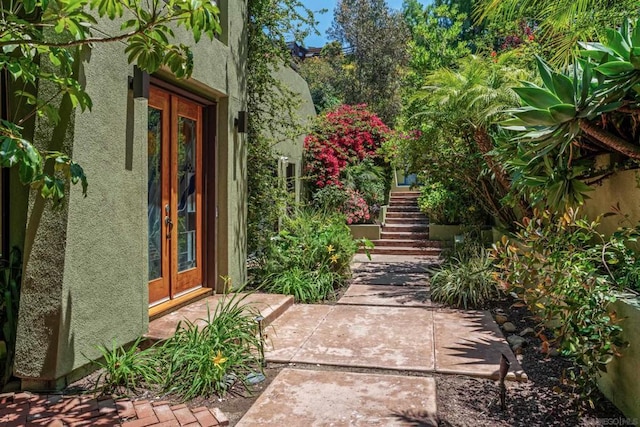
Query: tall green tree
[
  {"x": 456, "y": 112},
  {"x": 376, "y": 40},
  {"x": 436, "y": 39},
  {"x": 561, "y": 23},
  {"x": 324, "y": 74}
]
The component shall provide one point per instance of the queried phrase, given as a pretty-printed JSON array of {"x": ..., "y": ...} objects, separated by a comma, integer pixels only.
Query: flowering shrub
[
  {"x": 343, "y": 136},
  {"x": 356, "y": 208}
]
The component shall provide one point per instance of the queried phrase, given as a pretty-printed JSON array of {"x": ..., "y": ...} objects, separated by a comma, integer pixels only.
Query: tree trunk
[
  {"x": 610, "y": 140},
  {"x": 483, "y": 141}
]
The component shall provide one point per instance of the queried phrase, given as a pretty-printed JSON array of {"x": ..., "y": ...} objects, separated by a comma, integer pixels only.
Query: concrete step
[
  {"x": 402, "y": 250},
  {"x": 405, "y": 228},
  {"x": 412, "y": 209},
  {"x": 405, "y": 193},
  {"x": 403, "y": 203},
  {"x": 407, "y": 215},
  {"x": 407, "y": 243},
  {"x": 270, "y": 306},
  {"x": 408, "y": 235},
  {"x": 407, "y": 221}
]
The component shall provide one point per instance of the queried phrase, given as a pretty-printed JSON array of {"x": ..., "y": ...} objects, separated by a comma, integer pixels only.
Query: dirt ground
[{"x": 542, "y": 401}]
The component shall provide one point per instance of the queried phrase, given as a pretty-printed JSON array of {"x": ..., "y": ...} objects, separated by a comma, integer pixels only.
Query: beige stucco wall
[
  {"x": 621, "y": 382},
  {"x": 85, "y": 282},
  {"x": 620, "y": 189},
  {"x": 292, "y": 147}
]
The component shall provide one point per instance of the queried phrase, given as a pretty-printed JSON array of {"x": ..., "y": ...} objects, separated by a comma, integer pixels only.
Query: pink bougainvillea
[{"x": 341, "y": 137}]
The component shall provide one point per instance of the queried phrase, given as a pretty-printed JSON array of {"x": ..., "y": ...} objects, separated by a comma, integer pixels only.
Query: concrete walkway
[{"x": 386, "y": 327}]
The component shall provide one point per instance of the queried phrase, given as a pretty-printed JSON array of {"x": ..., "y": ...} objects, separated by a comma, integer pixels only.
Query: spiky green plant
[
  {"x": 568, "y": 115},
  {"x": 209, "y": 356},
  {"x": 305, "y": 286},
  {"x": 465, "y": 282},
  {"x": 126, "y": 369}
]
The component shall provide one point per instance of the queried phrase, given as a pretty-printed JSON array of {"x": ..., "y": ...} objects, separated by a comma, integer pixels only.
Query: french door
[{"x": 174, "y": 195}]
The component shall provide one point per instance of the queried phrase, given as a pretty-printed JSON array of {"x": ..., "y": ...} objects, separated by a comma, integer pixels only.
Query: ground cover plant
[
  {"x": 208, "y": 357},
  {"x": 310, "y": 256},
  {"x": 124, "y": 369}
]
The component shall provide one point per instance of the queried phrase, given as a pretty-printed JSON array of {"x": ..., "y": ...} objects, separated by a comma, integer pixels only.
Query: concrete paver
[
  {"x": 292, "y": 330},
  {"x": 389, "y": 278},
  {"x": 370, "y": 337},
  {"x": 391, "y": 269},
  {"x": 270, "y": 306},
  {"x": 378, "y": 258},
  {"x": 399, "y": 296},
  {"x": 471, "y": 343},
  {"x": 328, "y": 398}
]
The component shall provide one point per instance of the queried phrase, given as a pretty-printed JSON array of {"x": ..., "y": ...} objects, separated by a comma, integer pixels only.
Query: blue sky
[{"x": 326, "y": 18}]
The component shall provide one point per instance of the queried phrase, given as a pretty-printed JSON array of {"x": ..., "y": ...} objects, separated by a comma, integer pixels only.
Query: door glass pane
[
  {"x": 154, "y": 185},
  {"x": 186, "y": 193}
]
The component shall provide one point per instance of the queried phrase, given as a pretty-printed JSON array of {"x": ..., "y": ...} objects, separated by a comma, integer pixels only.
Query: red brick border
[{"x": 56, "y": 410}]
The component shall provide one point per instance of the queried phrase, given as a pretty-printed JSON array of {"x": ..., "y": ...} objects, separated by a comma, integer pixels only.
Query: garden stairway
[{"x": 406, "y": 229}]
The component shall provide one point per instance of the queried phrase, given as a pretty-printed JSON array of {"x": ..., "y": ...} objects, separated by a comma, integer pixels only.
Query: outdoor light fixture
[
  {"x": 139, "y": 83},
  {"x": 242, "y": 122}
]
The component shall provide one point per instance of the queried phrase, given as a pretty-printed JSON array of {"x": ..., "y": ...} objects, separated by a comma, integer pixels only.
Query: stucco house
[{"x": 165, "y": 217}]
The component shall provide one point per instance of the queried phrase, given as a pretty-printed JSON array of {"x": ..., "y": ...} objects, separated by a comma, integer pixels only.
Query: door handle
[{"x": 169, "y": 224}]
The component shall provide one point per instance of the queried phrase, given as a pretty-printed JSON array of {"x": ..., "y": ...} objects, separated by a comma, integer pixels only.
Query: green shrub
[
  {"x": 329, "y": 199},
  {"x": 567, "y": 272},
  {"x": 127, "y": 369},
  {"x": 202, "y": 358},
  {"x": 10, "y": 282},
  {"x": 448, "y": 204},
  {"x": 311, "y": 247},
  {"x": 209, "y": 356},
  {"x": 368, "y": 179},
  {"x": 359, "y": 194},
  {"x": 465, "y": 281}
]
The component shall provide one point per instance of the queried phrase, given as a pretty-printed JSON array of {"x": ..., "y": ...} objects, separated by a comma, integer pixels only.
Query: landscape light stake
[
  {"x": 259, "y": 319},
  {"x": 504, "y": 368}
]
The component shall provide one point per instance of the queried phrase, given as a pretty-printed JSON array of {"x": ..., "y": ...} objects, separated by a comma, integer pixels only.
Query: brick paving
[{"x": 56, "y": 410}]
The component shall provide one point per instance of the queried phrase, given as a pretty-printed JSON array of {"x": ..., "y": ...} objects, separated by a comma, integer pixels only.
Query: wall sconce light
[
  {"x": 242, "y": 122},
  {"x": 139, "y": 83}
]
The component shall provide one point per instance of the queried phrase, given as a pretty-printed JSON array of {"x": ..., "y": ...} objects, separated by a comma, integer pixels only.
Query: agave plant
[{"x": 566, "y": 114}]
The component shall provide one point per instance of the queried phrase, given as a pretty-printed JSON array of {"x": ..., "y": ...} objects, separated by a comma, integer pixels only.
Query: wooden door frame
[{"x": 209, "y": 222}]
